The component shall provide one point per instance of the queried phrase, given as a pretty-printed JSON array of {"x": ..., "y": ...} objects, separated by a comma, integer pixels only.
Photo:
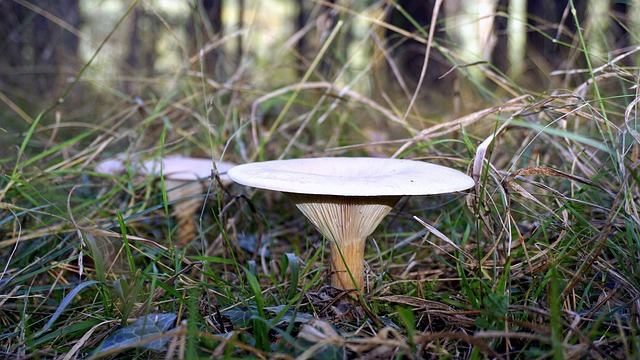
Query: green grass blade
[{"x": 63, "y": 305}]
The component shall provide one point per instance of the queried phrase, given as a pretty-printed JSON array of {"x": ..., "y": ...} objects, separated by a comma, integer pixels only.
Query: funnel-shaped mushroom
[{"x": 346, "y": 198}]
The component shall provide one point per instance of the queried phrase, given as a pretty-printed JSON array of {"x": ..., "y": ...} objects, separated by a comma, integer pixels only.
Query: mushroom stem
[
  {"x": 185, "y": 211},
  {"x": 345, "y": 221},
  {"x": 347, "y": 260}
]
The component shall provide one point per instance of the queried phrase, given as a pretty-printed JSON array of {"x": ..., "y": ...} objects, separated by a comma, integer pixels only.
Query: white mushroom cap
[
  {"x": 174, "y": 167},
  {"x": 178, "y": 167},
  {"x": 182, "y": 179},
  {"x": 112, "y": 166},
  {"x": 345, "y": 176},
  {"x": 346, "y": 198}
]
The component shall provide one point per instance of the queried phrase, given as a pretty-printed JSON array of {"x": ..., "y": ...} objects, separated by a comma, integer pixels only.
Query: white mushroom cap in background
[
  {"x": 177, "y": 167},
  {"x": 351, "y": 176},
  {"x": 183, "y": 177},
  {"x": 174, "y": 167},
  {"x": 112, "y": 166}
]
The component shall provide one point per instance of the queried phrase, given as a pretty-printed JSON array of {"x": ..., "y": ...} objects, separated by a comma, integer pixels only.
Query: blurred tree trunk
[
  {"x": 301, "y": 44},
  {"x": 205, "y": 28},
  {"x": 532, "y": 38},
  {"x": 597, "y": 23},
  {"x": 633, "y": 14},
  {"x": 314, "y": 24},
  {"x": 325, "y": 24},
  {"x": 408, "y": 55},
  {"x": 134, "y": 40},
  {"x": 517, "y": 34},
  {"x": 469, "y": 24},
  {"x": 239, "y": 52},
  {"x": 33, "y": 38},
  {"x": 213, "y": 9},
  {"x": 142, "y": 52},
  {"x": 554, "y": 21},
  {"x": 607, "y": 24}
]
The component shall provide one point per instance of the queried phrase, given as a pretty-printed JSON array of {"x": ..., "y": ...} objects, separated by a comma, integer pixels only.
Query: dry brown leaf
[
  {"x": 451, "y": 126},
  {"x": 548, "y": 171}
]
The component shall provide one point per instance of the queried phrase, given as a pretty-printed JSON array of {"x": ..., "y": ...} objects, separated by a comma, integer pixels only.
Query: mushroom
[
  {"x": 347, "y": 197},
  {"x": 183, "y": 178}
]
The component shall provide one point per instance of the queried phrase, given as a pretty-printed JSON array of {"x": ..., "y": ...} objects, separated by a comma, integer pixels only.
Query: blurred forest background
[{"x": 269, "y": 44}]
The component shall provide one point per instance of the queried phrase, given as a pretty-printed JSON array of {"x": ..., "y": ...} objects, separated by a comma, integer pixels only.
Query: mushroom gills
[{"x": 346, "y": 221}]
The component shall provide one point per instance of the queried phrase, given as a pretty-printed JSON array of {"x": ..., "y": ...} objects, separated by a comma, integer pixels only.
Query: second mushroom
[{"x": 346, "y": 198}]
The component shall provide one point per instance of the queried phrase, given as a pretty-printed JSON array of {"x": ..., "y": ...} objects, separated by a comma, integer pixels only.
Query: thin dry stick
[
  {"x": 55, "y": 19},
  {"x": 609, "y": 64},
  {"x": 84, "y": 340},
  {"x": 78, "y": 232},
  {"x": 450, "y": 126},
  {"x": 15, "y": 247},
  {"x": 16, "y": 109},
  {"x": 472, "y": 261}
]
